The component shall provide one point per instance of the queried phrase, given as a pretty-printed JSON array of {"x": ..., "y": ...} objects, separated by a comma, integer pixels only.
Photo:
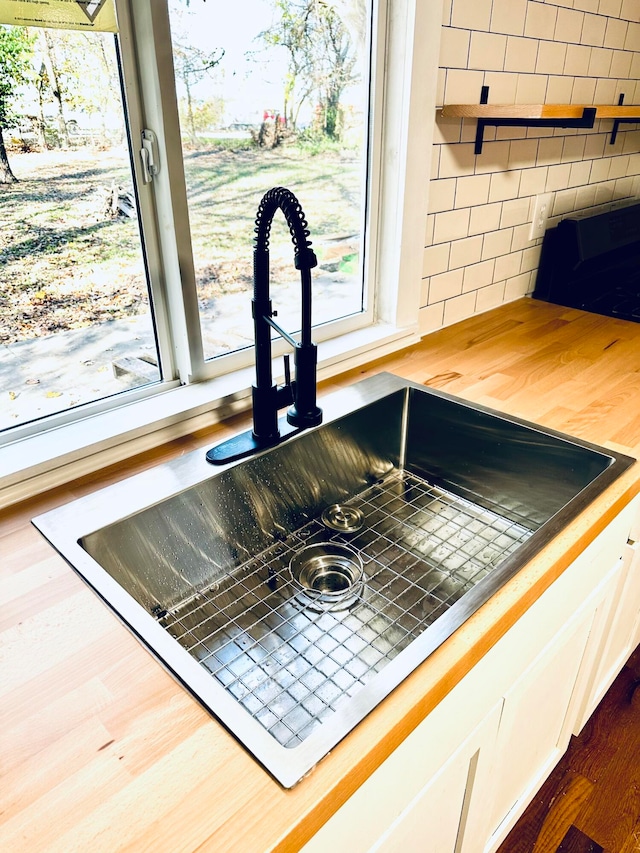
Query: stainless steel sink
[{"x": 291, "y": 592}]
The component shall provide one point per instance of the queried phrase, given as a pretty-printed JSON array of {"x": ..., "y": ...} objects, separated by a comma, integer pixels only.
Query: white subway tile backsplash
[
  {"x": 604, "y": 192},
  {"x": 459, "y": 308},
  {"x": 551, "y": 57},
  {"x": 605, "y": 91},
  {"x": 454, "y": 47},
  {"x": 530, "y": 258},
  {"x": 623, "y": 188},
  {"x": 557, "y": 177},
  {"x": 577, "y": 61},
  {"x": 573, "y": 148},
  {"x": 610, "y": 7},
  {"x": 484, "y": 219},
  {"x": 540, "y": 20},
  {"x": 435, "y": 259},
  {"x": 585, "y": 196},
  {"x": 550, "y": 151},
  {"x": 533, "y": 181},
  {"x": 496, "y": 243},
  {"x": 490, "y": 296},
  {"x": 502, "y": 88},
  {"x": 579, "y": 174},
  {"x": 564, "y": 202},
  {"x": 509, "y": 17},
  {"x": 620, "y": 64},
  {"x": 584, "y": 89},
  {"x": 521, "y": 54},
  {"x": 477, "y": 275},
  {"x": 445, "y": 285},
  {"x": 593, "y": 30},
  {"x": 487, "y": 51},
  {"x": 446, "y": 130},
  {"x": 507, "y": 266},
  {"x": 619, "y": 167},
  {"x": 431, "y": 318},
  {"x": 518, "y": 286},
  {"x": 465, "y": 252},
  {"x": 586, "y": 5},
  {"x": 504, "y": 185},
  {"x": 514, "y": 212},
  {"x": 429, "y": 228},
  {"x": 452, "y": 225},
  {"x": 569, "y": 26},
  {"x": 630, "y": 10},
  {"x": 599, "y": 170},
  {"x": 616, "y": 33},
  {"x": 494, "y": 157},
  {"x": 462, "y": 86},
  {"x": 520, "y": 239},
  {"x": 442, "y": 195},
  {"x": 472, "y": 190},
  {"x": 526, "y": 51},
  {"x": 632, "y": 38},
  {"x": 559, "y": 90},
  {"x": 456, "y": 160},
  {"x": 522, "y": 152},
  {"x": 595, "y": 145},
  {"x": 531, "y": 89},
  {"x": 600, "y": 61},
  {"x": 471, "y": 14}
]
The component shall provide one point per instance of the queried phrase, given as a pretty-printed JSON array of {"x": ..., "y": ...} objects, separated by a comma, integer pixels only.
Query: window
[
  {"x": 223, "y": 118},
  {"x": 76, "y": 321},
  {"x": 272, "y": 92}
]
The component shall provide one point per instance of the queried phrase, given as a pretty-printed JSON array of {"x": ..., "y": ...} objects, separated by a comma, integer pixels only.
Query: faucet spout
[
  {"x": 299, "y": 394},
  {"x": 266, "y": 397}
]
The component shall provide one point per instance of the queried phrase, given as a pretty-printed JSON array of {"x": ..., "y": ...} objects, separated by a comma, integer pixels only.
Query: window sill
[{"x": 56, "y": 456}]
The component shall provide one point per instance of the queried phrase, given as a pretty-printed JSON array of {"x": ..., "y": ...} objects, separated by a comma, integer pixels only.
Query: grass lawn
[{"x": 67, "y": 263}]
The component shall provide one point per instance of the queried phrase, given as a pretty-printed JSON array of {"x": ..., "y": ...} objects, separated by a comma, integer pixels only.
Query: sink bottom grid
[{"x": 291, "y": 667}]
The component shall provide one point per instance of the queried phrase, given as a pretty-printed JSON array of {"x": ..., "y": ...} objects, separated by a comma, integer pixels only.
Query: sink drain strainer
[
  {"x": 342, "y": 517},
  {"x": 329, "y": 576}
]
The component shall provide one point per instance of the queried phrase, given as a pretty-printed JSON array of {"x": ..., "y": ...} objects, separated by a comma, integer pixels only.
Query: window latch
[{"x": 149, "y": 156}]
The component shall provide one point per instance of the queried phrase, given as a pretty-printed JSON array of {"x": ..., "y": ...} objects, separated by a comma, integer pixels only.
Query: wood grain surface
[
  {"x": 534, "y": 111},
  {"x": 101, "y": 750}
]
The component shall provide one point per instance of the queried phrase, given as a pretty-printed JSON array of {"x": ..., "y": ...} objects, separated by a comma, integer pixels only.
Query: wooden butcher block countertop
[{"x": 101, "y": 750}]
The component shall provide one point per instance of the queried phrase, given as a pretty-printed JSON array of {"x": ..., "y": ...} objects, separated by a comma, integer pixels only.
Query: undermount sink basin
[{"x": 292, "y": 591}]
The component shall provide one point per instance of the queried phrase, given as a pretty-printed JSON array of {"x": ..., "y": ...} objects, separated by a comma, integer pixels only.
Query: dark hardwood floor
[{"x": 591, "y": 801}]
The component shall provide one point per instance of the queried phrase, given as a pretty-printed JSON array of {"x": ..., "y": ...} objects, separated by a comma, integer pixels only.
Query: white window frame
[{"x": 403, "y": 118}]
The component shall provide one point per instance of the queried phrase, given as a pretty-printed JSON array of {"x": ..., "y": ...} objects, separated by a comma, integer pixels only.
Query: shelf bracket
[
  {"x": 586, "y": 120},
  {"x": 618, "y": 121}
]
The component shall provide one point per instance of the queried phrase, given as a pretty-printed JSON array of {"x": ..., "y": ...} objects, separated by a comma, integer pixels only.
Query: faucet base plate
[{"x": 246, "y": 444}]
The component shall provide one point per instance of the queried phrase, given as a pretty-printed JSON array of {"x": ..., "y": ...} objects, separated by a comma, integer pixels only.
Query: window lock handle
[{"x": 149, "y": 156}]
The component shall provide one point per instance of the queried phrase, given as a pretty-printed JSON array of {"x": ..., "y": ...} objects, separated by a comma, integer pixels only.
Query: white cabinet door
[
  {"x": 604, "y": 656},
  {"x": 449, "y": 814},
  {"x": 534, "y": 731},
  {"x": 633, "y": 602},
  {"x": 617, "y": 642}
]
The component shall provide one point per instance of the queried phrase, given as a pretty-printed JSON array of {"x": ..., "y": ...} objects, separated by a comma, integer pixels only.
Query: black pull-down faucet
[{"x": 267, "y": 397}]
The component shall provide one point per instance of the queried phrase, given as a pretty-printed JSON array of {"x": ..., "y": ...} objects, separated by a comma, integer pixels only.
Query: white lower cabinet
[
  {"x": 444, "y": 815},
  {"x": 530, "y": 745},
  {"x": 462, "y": 778}
]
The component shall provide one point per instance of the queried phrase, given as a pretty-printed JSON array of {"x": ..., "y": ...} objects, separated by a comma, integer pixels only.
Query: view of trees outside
[
  {"x": 74, "y": 302},
  {"x": 270, "y": 92}
]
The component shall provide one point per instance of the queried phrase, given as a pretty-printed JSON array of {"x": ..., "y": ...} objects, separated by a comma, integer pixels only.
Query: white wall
[{"x": 477, "y": 253}]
